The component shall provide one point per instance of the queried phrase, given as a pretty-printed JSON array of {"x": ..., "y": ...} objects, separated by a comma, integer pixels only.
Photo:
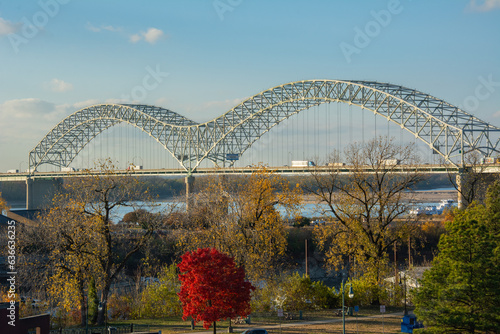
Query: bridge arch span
[
  {"x": 63, "y": 143},
  {"x": 446, "y": 129}
]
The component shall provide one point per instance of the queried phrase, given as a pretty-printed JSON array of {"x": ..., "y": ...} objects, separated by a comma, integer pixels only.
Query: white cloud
[
  {"x": 32, "y": 118},
  {"x": 135, "y": 38},
  {"x": 483, "y": 5},
  {"x": 58, "y": 86},
  {"x": 152, "y": 35},
  {"x": 111, "y": 28},
  {"x": 26, "y": 109},
  {"x": 24, "y": 123},
  {"x": 7, "y": 27}
]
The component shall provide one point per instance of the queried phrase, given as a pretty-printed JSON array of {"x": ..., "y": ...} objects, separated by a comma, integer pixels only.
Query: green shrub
[{"x": 160, "y": 299}]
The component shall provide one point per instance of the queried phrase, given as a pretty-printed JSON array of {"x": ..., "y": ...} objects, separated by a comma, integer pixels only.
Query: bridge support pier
[
  {"x": 39, "y": 193},
  {"x": 472, "y": 186},
  {"x": 29, "y": 193},
  {"x": 189, "y": 189}
]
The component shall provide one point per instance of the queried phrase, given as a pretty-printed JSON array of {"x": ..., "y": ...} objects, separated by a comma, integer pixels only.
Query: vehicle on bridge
[
  {"x": 13, "y": 171},
  {"x": 391, "y": 162},
  {"x": 489, "y": 161},
  {"x": 303, "y": 163}
]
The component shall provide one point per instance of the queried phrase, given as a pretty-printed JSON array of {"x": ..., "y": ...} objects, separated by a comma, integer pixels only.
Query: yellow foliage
[
  {"x": 3, "y": 204},
  {"x": 76, "y": 235},
  {"x": 240, "y": 219}
]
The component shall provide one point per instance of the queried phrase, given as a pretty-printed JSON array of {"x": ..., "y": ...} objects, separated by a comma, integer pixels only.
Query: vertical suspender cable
[
  {"x": 339, "y": 136},
  {"x": 350, "y": 123},
  {"x": 363, "y": 125},
  {"x": 327, "y": 124},
  {"x": 317, "y": 132},
  {"x": 388, "y": 128},
  {"x": 304, "y": 137}
]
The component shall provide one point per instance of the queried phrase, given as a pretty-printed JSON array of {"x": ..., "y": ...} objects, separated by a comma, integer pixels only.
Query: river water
[{"x": 308, "y": 210}]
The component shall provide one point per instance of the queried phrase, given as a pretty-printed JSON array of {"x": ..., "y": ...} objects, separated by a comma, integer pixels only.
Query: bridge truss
[{"x": 446, "y": 129}]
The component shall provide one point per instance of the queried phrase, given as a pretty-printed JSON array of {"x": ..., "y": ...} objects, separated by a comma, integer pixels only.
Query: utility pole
[
  {"x": 409, "y": 251},
  {"x": 307, "y": 267},
  {"x": 395, "y": 266}
]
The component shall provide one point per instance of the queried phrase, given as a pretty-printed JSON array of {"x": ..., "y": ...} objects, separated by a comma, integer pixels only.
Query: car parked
[{"x": 255, "y": 331}]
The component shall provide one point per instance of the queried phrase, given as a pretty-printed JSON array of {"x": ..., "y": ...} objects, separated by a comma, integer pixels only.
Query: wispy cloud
[
  {"x": 483, "y": 5},
  {"x": 152, "y": 35},
  {"x": 58, "y": 85},
  {"x": 33, "y": 117},
  {"x": 28, "y": 120},
  {"x": 100, "y": 28},
  {"x": 7, "y": 27}
]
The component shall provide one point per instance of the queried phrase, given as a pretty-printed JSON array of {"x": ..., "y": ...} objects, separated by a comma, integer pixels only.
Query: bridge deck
[{"x": 284, "y": 170}]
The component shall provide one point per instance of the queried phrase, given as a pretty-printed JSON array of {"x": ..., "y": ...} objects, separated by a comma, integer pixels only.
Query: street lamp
[
  {"x": 20, "y": 164},
  {"x": 351, "y": 294}
]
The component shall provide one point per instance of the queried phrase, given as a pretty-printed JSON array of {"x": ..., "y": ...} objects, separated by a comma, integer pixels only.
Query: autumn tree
[
  {"x": 460, "y": 292},
  {"x": 368, "y": 204},
  {"x": 3, "y": 204},
  {"x": 213, "y": 288},
  {"x": 240, "y": 218},
  {"x": 81, "y": 239}
]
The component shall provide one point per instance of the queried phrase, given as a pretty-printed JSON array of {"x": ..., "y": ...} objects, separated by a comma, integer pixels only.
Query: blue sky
[{"x": 58, "y": 56}]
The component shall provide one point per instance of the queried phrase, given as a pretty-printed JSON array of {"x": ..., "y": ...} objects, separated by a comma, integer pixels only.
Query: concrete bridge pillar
[
  {"x": 189, "y": 189},
  {"x": 39, "y": 192},
  {"x": 29, "y": 193},
  {"x": 472, "y": 186}
]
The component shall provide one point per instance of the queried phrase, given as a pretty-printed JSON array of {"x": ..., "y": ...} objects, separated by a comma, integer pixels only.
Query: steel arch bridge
[{"x": 446, "y": 129}]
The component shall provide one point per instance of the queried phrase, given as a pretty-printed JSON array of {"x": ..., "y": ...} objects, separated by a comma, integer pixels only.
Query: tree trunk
[
  {"x": 215, "y": 327},
  {"x": 84, "y": 311},
  {"x": 83, "y": 307},
  {"x": 104, "y": 301}
]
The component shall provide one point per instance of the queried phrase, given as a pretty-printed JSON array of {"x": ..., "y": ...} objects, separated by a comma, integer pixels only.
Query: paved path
[{"x": 304, "y": 323}]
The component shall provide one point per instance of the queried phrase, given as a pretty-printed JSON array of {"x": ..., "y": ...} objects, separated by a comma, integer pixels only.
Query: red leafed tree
[{"x": 213, "y": 288}]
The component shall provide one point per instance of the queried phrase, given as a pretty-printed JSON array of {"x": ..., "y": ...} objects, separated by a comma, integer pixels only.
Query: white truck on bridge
[
  {"x": 302, "y": 163},
  {"x": 390, "y": 162}
]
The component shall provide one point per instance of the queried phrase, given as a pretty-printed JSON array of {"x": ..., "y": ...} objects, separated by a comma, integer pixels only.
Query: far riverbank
[{"x": 420, "y": 196}]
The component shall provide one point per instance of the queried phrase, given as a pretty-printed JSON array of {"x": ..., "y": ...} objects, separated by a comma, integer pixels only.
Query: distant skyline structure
[{"x": 202, "y": 58}]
